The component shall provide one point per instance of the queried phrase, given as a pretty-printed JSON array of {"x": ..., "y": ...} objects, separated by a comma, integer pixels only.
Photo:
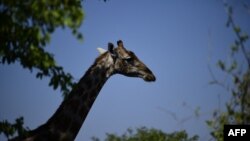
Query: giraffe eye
[{"x": 128, "y": 60}]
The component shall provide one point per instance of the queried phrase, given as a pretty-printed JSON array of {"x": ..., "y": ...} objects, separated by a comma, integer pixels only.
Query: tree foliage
[
  {"x": 9, "y": 129},
  {"x": 238, "y": 107},
  {"x": 25, "y": 31},
  {"x": 145, "y": 134}
]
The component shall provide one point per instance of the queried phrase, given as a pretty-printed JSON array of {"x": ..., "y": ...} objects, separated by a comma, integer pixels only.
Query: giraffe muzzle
[{"x": 149, "y": 78}]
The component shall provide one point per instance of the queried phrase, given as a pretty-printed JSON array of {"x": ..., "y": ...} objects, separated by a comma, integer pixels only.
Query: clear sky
[{"x": 176, "y": 39}]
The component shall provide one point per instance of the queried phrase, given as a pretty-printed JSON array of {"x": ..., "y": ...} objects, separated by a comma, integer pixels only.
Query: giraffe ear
[
  {"x": 111, "y": 48},
  {"x": 101, "y": 50}
]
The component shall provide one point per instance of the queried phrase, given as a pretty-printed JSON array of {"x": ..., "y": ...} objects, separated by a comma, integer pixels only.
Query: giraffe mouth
[{"x": 149, "y": 78}]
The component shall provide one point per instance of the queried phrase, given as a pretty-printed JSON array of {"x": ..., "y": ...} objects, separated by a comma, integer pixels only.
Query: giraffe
[{"x": 66, "y": 122}]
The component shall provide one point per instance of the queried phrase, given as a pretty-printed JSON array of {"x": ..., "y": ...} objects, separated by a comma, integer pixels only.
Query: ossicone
[{"x": 120, "y": 43}]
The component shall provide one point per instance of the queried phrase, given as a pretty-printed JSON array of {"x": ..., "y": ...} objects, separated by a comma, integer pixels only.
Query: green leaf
[
  {"x": 234, "y": 48},
  {"x": 39, "y": 75},
  {"x": 244, "y": 37},
  {"x": 79, "y": 36},
  {"x": 237, "y": 29},
  {"x": 233, "y": 66},
  {"x": 236, "y": 80},
  {"x": 221, "y": 65}
]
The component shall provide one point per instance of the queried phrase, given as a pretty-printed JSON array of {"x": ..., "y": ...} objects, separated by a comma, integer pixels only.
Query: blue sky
[{"x": 176, "y": 39}]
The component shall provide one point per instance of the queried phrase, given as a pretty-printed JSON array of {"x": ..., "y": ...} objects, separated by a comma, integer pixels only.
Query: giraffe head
[{"x": 125, "y": 62}]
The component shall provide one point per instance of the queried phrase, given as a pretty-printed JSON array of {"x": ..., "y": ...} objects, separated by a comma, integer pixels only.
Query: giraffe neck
[
  {"x": 74, "y": 110},
  {"x": 69, "y": 117}
]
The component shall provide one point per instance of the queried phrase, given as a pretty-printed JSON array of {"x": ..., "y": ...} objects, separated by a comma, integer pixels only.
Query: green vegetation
[
  {"x": 25, "y": 31},
  {"x": 238, "y": 107},
  {"x": 145, "y": 134}
]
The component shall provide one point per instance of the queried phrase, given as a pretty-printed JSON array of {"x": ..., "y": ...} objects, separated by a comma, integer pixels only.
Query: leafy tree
[
  {"x": 9, "y": 129},
  {"x": 238, "y": 107},
  {"x": 25, "y": 31},
  {"x": 145, "y": 134}
]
